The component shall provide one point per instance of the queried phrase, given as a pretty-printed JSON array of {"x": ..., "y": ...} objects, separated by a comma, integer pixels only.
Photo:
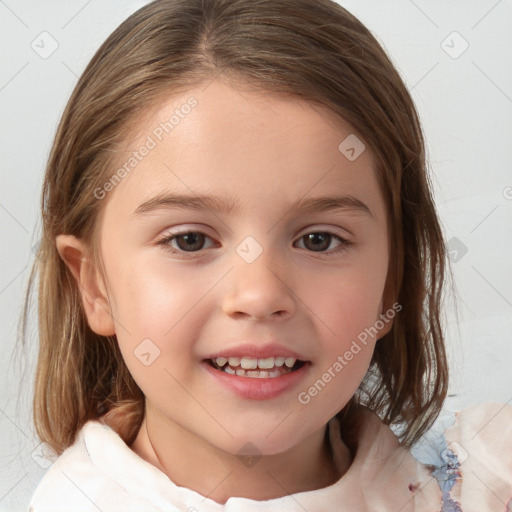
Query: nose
[{"x": 259, "y": 291}]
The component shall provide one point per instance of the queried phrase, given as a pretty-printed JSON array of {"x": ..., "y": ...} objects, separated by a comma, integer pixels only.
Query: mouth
[{"x": 261, "y": 368}]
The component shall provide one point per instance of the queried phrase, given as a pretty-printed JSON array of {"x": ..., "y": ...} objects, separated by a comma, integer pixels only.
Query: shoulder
[
  {"x": 383, "y": 474},
  {"x": 78, "y": 482},
  {"x": 481, "y": 442},
  {"x": 473, "y": 459}
]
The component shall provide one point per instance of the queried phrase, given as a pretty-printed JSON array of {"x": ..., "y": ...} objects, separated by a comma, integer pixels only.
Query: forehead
[{"x": 242, "y": 143}]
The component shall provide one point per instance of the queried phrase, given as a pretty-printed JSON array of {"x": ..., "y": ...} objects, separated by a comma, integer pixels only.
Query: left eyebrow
[
  {"x": 328, "y": 203},
  {"x": 218, "y": 204}
]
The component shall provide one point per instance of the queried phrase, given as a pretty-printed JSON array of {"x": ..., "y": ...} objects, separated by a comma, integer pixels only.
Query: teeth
[
  {"x": 251, "y": 363},
  {"x": 289, "y": 361},
  {"x": 266, "y": 363},
  {"x": 247, "y": 363},
  {"x": 254, "y": 373}
]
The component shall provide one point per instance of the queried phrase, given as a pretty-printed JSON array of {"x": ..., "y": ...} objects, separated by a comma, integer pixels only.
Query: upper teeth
[{"x": 250, "y": 363}]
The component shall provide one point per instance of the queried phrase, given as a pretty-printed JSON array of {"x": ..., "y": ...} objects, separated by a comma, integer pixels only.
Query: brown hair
[{"x": 313, "y": 50}]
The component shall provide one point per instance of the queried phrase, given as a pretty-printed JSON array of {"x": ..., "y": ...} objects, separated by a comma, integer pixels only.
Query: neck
[{"x": 192, "y": 462}]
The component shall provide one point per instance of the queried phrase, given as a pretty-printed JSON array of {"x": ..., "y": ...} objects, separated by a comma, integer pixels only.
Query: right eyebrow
[{"x": 183, "y": 201}]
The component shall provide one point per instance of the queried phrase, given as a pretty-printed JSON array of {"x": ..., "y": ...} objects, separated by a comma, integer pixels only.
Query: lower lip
[{"x": 255, "y": 388}]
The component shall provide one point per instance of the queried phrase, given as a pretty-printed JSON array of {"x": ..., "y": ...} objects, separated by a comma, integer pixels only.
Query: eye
[
  {"x": 195, "y": 241},
  {"x": 323, "y": 241},
  {"x": 190, "y": 241}
]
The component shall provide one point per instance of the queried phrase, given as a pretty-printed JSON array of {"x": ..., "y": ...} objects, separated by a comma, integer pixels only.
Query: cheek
[
  {"x": 158, "y": 316},
  {"x": 347, "y": 315},
  {"x": 347, "y": 310},
  {"x": 334, "y": 384},
  {"x": 346, "y": 304},
  {"x": 152, "y": 300}
]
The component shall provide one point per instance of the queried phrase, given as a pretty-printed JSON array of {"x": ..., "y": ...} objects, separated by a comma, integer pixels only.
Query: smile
[{"x": 269, "y": 367}]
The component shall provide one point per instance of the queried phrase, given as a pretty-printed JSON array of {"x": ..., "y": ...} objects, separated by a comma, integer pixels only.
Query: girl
[{"x": 241, "y": 273}]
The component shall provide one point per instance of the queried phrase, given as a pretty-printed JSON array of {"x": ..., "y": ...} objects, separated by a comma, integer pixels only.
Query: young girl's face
[{"x": 244, "y": 231}]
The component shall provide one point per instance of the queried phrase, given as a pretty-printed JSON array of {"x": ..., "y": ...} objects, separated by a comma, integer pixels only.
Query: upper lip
[{"x": 257, "y": 351}]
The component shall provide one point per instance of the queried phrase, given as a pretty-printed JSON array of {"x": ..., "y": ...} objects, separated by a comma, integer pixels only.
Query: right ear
[{"x": 77, "y": 257}]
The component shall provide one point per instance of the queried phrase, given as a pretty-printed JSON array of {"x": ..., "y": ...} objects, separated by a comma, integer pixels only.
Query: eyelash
[{"x": 165, "y": 242}]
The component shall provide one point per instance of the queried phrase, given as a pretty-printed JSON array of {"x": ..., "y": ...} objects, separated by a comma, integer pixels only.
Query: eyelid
[
  {"x": 326, "y": 228},
  {"x": 183, "y": 230}
]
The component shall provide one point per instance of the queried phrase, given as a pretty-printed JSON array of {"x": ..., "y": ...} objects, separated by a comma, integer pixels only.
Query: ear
[
  {"x": 77, "y": 257},
  {"x": 386, "y": 316}
]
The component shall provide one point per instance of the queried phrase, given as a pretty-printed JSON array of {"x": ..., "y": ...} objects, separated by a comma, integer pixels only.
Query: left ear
[{"x": 386, "y": 316}]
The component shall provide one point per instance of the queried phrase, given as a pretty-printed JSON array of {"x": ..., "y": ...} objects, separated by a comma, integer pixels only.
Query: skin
[{"x": 264, "y": 151}]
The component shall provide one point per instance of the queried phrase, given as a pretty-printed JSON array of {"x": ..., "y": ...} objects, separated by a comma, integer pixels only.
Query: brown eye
[
  {"x": 190, "y": 242},
  {"x": 322, "y": 241},
  {"x": 317, "y": 241}
]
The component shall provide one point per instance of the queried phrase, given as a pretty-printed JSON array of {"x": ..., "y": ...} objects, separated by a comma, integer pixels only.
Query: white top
[{"x": 99, "y": 472}]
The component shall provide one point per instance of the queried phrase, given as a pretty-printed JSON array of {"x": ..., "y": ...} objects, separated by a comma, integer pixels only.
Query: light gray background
[{"x": 464, "y": 99}]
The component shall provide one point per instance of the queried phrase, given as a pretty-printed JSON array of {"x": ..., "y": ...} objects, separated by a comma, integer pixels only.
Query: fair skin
[{"x": 198, "y": 297}]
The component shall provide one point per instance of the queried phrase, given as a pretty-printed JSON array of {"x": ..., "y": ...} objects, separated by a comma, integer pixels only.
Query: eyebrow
[{"x": 221, "y": 205}]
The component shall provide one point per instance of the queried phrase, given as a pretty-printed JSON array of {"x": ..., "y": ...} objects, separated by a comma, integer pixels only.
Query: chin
[{"x": 266, "y": 441}]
